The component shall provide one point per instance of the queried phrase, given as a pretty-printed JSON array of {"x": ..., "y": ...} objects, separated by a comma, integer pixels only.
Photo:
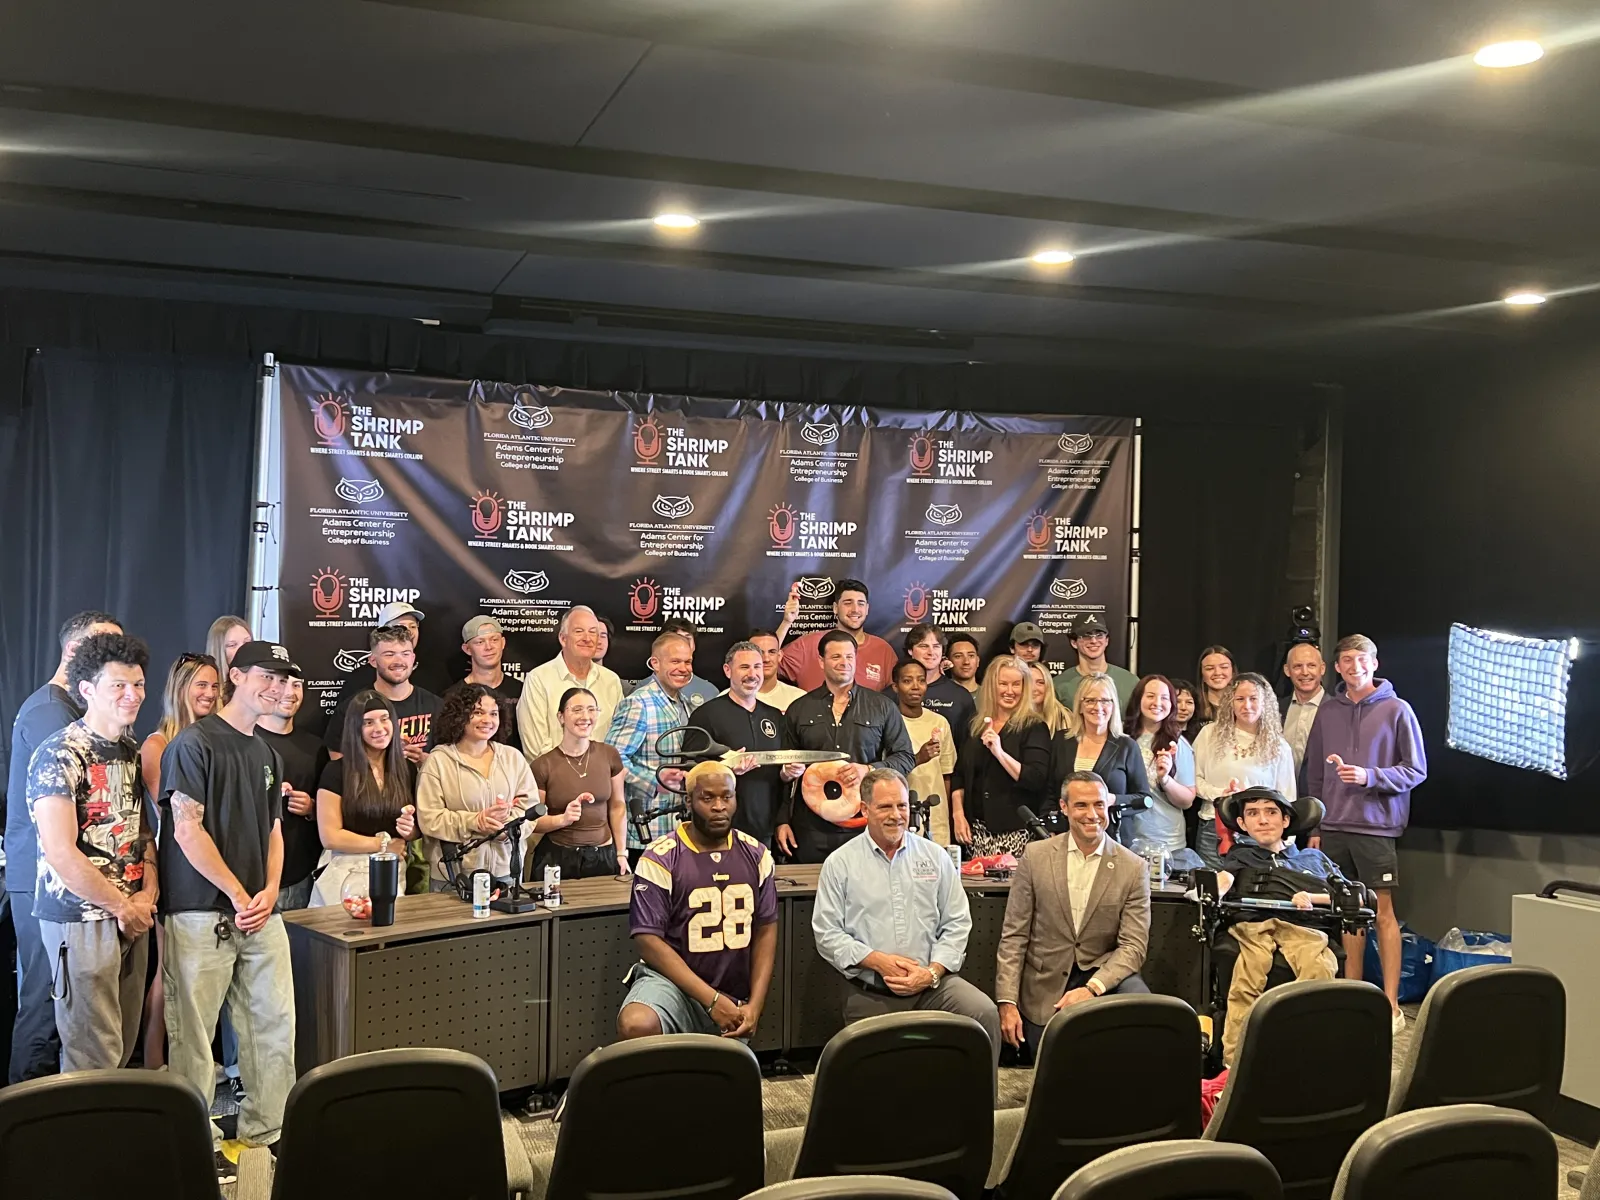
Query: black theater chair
[
  {"x": 1143, "y": 1055},
  {"x": 1458, "y": 1152},
  {"x": 385, "y": 1123},
  {"x": 156, "y": 1144},
  {"x": 1179, "y": 1170},
  {"x": 1312, "y": 1076},
  {"x": 905, "y": 1094},
  {"x": 1487, "y": 1035},
  {"x": 674, "y": 1115},
  {"x": 853, "y": 1187}
]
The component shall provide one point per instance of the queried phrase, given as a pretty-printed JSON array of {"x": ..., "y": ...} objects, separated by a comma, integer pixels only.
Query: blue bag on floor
[
  {"x": 1463, "y": 948},
  {"x": 1416, "y": 963}
]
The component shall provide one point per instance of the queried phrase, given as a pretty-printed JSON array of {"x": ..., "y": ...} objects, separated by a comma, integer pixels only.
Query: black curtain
[
  {"x": 1214, "y": 547},
  {"x": 126, "y": 482}
]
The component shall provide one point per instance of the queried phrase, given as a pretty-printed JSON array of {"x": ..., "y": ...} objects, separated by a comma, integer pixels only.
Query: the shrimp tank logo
[
  {"x": 644, "y": 599},
  {"x": 327, "y": 591}
]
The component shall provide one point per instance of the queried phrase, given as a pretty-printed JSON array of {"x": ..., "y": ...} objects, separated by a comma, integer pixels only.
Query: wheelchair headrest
[{"x": 1305, "y": 814}]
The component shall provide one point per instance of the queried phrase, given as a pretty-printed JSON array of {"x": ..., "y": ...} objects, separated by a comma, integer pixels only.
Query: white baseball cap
[{"x": 390, "y": 613}]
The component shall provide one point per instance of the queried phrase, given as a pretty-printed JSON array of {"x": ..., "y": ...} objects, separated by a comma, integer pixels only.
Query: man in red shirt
[{"x": 802, "y": 665}]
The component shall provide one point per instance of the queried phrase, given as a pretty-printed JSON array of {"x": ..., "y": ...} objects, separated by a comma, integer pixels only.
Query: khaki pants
[
  {"x": 97, "y": 982},
  {"x": 1305, "y": 950}
]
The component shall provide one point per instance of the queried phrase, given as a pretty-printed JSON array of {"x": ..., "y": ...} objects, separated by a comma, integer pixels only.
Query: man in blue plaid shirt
[{"x": 651, "y": 709}]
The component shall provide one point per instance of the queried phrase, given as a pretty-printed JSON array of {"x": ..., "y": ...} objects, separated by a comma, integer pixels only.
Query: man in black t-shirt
[
  {"x": 35, "y": 1046},
  {"x": 483, "y": 641},
  {"x": 394, "y": 659},
  {"x": 303, "y": 759},
  {"x": 740, "y": 721},
  {"x": 431, "y": 676},
  {"x": 221, "y": 860}
]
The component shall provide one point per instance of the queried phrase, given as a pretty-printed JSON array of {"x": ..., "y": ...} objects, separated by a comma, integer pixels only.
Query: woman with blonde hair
[
  {"x": 1050, "y": 710},
  {"x": 223, "y": 639},
  {"x": 1003, "y": 765},
  {"x": 1243, "y": 748},
  {"x": 190, "y": 693},
  {"x": 1093, "y": 741}
]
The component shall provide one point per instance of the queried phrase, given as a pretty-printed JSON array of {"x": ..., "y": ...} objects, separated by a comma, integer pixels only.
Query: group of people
[{"x": 241, "y": 814}]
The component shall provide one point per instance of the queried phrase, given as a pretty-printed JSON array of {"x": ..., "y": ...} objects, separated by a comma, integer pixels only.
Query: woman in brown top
[
  {"x": 364, "y": 799},
  {"x": 581, "y": 781}
]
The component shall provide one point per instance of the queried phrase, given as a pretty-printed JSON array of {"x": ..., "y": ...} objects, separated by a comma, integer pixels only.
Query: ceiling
[{"x": 1243, "y": 179}]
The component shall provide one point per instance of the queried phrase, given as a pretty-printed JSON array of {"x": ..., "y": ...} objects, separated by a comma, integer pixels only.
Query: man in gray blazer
[{"x": 1078, "y": 921}]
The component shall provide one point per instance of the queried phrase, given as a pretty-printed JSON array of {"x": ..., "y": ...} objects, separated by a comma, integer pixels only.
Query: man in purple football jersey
[{"x": 704, "y": 916}]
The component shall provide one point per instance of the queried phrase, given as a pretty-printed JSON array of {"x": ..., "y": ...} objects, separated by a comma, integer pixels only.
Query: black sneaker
[
  {"x": 226, "y": 1171},
  {"x": 236, "y": 1088}
]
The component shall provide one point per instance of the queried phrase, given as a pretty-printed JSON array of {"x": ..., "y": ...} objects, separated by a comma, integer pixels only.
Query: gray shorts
[{"x": 676, "y": 1012}]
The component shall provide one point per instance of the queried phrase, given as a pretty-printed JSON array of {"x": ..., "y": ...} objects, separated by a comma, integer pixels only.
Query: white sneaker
[{"x": 1398, "y": 1023}]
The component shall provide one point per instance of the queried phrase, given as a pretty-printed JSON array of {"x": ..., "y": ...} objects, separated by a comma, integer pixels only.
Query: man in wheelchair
[{"x": 1287, "y": 884}]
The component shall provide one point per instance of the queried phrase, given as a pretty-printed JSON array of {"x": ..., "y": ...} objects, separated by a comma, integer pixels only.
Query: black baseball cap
[
  {"x": 1086, "y": 623},
  {"x": 266, "y": 654}
]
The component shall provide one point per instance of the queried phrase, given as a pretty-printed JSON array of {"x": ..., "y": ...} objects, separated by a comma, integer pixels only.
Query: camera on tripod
[{"x": 1303, "y": 626}]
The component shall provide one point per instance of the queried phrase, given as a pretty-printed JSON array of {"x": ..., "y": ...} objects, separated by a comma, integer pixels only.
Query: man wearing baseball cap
[
  {"x": 1027, "y": 641},
  {"x": 430, "y": 677},
  {"x": 1264, "y": 865},
  {"x": 483, "y": 641},
  {"x": 220, "y": 858},
  {"x": 1090, "y": 638}
]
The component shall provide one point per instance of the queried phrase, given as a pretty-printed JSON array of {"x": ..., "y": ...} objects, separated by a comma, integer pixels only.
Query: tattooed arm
[{"x": 188, "y": 815}]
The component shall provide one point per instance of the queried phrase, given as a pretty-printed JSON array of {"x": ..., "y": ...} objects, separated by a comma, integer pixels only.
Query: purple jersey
[{"x": 706, "y": 903}]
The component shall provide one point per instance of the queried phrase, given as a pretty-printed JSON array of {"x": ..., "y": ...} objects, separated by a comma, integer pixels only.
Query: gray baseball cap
[{"x": 477, "y": 625}]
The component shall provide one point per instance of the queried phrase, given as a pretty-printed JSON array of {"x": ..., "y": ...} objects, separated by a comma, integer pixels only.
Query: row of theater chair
[{"x": 909, "y": 1095}]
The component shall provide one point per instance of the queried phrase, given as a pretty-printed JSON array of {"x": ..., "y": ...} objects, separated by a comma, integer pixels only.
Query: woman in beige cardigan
[{"x": 471, "y": 785}]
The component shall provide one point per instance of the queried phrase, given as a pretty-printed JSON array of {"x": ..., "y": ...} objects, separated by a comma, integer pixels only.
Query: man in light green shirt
[{"x": 1089, "y": 637}]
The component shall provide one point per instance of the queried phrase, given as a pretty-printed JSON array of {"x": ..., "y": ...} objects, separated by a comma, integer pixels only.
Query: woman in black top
[
  {"x": 366, "y": 800},
  {"x": 1093, "y": 741},
  {"x": 1004, "y": 764}
]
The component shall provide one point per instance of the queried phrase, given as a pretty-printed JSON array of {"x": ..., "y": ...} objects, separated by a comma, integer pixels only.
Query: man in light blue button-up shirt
[{"x": 892, "y": 917}]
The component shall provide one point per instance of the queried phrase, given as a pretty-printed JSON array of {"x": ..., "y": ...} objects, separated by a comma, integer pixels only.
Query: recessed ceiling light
[
  {"x": 1509, "y": 54},
  {"x": 676, "y": 220},
  {"x": 1053, "y": 258},
  {"x": 1525, "y": 299}
]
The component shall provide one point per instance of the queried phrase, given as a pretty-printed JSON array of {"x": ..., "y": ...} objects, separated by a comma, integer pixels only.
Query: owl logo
[
  {"x": 672, "y": 507},
  {"x": 529, "y": 583},
  {"x": 1068, "y": 589},
  {"x": 921, "y": 454},
  {"x": 815, "y": 587},
  {"x": 327, "y": 591},
  {"x": 917, "y": 602},
  {"x": 647, "y": 441},
  {"x": 330, "y": 416},
  {"x": 486, "y": 513},
  {"x": 346, "y": 661},
  {"x": 358, "y": 491},
  {"x": 1038, "y": 530},
  {"x": 1076, "y": 443},
  {"x": 644, "y": 598},
  {"x": 529, "y": 416},
  {"x": 781, "y": 525},
  {"x": 943, "y": 514},
  {"x": 820, "y": 435}
]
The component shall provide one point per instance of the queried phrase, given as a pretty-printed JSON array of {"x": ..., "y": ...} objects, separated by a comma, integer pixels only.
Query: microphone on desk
[{"x": 1037, "y": 830}]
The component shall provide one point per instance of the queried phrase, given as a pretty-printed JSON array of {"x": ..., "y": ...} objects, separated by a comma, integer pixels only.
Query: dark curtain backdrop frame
[{"x": 127, "y": 429}]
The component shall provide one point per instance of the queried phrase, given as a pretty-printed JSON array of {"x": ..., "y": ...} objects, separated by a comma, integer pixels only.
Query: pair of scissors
[{"x": 689, "y": 745}]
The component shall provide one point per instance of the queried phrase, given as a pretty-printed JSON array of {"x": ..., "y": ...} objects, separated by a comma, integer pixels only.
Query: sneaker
[
  {"x": 227, "y": 1172},
  {"x": 1398, "y": 1022},
  {"x": 236, "y": 1088}
]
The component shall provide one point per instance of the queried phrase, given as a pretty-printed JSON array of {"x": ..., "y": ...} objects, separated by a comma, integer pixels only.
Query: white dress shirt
[
  {"x": 1081, "y": 870},
  {"x": 1297, "y": 723},
  {"x": 542, "y": 689}
]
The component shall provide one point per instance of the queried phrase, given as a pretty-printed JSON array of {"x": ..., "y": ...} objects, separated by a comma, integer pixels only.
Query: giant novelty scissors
[{"x": 689, "y": 745}]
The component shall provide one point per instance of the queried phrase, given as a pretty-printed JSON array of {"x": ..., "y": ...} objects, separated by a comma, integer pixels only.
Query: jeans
[
  {"x": 35, "y": 1046},
  {"x": 98, "y": 991},
  {"x": 250, "y": 971},
  {"x": 1206, "y": 843}
]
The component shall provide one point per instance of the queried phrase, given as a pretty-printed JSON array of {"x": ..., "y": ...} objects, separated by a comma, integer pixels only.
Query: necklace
[{"x": 581, "y": 771}]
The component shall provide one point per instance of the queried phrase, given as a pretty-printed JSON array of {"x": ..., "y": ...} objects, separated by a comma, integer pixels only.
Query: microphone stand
[{"x": 515, "y": 899}]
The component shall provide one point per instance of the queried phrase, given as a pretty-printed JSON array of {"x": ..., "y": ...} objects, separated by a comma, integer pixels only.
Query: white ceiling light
[
  {"x": 1053, "y": 258},
  {"x": 676, "y": 221},
  {"x": 1525, "y": 299},
  {"x": 1509, "y": 54}
]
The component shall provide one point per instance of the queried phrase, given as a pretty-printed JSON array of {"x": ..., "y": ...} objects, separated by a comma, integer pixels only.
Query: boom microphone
[{"x": 1036, "y": 828}]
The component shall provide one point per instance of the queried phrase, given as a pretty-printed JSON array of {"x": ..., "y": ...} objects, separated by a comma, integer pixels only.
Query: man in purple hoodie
[{"x": 1363, "y": 758}]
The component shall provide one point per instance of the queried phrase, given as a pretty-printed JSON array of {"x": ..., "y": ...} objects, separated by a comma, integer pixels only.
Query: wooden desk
[{"x": 532, "y": 994}]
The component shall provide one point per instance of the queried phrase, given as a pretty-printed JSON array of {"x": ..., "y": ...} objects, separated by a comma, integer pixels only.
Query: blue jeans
[{"x": 1206, "y": 842}]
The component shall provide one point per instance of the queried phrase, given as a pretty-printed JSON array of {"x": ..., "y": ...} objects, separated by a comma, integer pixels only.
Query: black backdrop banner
[{"x": 466, "y": 497}]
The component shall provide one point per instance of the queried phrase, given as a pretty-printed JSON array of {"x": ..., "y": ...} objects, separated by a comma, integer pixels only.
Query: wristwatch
[
  {"x": 1095, "y": 986},
  {"x": 938, "y": 974}
]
